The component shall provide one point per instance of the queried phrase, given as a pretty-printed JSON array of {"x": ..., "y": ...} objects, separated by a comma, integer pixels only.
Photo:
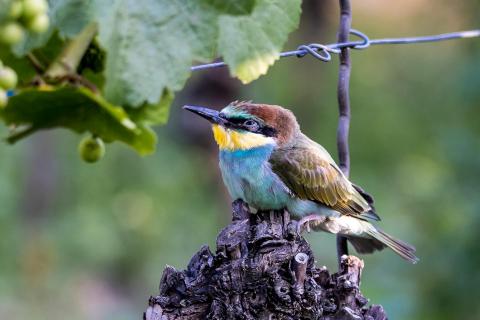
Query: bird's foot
[{"x": 307, "y": 220}]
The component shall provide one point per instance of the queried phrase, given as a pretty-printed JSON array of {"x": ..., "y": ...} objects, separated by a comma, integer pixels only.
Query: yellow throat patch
[{"x": 233, "y": 140}]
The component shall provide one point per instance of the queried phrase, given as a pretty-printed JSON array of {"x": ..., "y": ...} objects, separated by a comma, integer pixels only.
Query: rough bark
[{"x": 262, "y": 269}]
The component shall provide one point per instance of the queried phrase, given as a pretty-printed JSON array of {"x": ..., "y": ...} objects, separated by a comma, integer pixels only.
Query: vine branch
[
  {"x": 343, "y": 88},
  {"x": 37, "y": 65},
  {"x": 67, "y": 62}
]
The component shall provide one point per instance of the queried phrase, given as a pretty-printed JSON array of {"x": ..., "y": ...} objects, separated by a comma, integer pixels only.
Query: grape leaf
[
  {"x": 71, "y": 16},
  {"x": 4, "y": 4},
  {"x": 258, "y": 38},
  {"x": 77, "y": 109},
  {"x": 23, "y": 68},
  {"x": 234, "y": 7},
  {"x": 151, "y": 44},
  {"x": 151, "y": 114},
  {"x": 31, "y": 41}
]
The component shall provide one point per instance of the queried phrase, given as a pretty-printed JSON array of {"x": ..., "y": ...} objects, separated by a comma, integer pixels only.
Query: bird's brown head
[{"x": 246, "y": 125}]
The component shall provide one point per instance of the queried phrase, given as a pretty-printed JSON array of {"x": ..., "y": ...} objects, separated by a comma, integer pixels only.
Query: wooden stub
[{"x": 261, "y": 269}]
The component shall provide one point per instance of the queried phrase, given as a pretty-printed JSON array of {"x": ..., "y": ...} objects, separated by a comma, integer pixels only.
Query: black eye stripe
[
  {"x": 239, "y": 123},
  {"x": 235, "y": 120},
  {"x": 268, "y": 131}
]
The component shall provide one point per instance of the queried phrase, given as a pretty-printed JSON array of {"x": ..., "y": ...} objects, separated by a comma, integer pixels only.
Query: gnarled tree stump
[{"x": 262, "y": 269}]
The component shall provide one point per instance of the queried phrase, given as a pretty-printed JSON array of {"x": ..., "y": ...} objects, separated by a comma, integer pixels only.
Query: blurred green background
[{"x": 90, "y": 241}]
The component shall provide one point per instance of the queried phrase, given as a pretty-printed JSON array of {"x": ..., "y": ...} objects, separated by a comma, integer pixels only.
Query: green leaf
[
  {"x": 234, "y": 7},
  {"x": 151, "y": 44},
  {"x": 151, "y": 114},
  {"x": 71, "y": 16},
  {"x": 5, "y": 5},
  {"x": 22, "y": 66},
  {"x": 77, "y": 109},
  {"x": 251, "y": 44},
  {"x": 32, "y": 41}
]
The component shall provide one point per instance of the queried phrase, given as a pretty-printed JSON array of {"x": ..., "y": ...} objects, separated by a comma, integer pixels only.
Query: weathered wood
[{"x": 262, "y": 269}]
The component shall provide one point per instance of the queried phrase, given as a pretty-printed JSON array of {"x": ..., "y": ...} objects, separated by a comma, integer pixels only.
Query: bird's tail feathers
[
  {"x": 403, "y": 249},
  {"x": 366, "y": 245}
]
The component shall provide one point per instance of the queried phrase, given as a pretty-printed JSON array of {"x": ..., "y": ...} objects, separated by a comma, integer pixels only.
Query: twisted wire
[{"x": 323, "y": 52}]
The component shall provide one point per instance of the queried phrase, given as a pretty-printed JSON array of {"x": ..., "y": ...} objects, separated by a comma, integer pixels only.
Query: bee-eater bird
[{"x": 270, "y": 164}]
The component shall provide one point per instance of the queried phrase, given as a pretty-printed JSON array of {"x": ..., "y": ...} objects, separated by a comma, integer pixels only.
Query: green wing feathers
[{"x": 310, "y": 173}]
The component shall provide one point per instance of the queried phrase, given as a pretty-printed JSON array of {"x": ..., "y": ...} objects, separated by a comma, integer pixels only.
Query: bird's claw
[{"x": 305, "y": 221}]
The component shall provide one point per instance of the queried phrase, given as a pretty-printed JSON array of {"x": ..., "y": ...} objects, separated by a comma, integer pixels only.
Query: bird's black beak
[{"x": 211, "y": 115}]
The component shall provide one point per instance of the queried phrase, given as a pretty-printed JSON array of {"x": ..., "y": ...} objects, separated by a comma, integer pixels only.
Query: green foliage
[
  {"x": 259, "y": 37},
  {"x": 233, "y": 7},
  {"x": 142, "y": 55},
  {"x": 23, "y": 66},
  {"x": 68, "y": 17},
  {"x": 77, "y": 109}
]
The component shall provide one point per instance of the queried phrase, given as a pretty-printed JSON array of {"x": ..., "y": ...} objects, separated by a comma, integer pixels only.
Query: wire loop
[
  {"x": 317, "y": 50},
  {"x": 323, "y": 52},
  {"x": 363, "y": 36}
]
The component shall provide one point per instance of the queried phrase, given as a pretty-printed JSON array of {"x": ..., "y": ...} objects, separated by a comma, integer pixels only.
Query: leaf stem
[
  {"x": 37, "y": 65},
  {"x": 70, "y": 57}
]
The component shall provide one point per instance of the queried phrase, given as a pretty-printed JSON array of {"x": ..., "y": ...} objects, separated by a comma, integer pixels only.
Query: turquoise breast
[{"x": 248, "y": 176}]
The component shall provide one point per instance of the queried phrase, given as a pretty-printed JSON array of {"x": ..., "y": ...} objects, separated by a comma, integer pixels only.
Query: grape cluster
[
  {"x": 8, "y": 81},
  {"x": 24, "y": 14}
]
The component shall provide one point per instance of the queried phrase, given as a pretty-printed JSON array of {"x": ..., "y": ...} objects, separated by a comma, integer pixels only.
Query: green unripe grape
[
  {"x": 8, "y": 78},
  {"x": 33, "y": 8},
  {"x": 91, "y": 149},
  {"x": 39, "y": 23},
  {"x": 3, "y": 98},
  {"x": 11, "y": 33},
  {"x": 16, "y": 10}
]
